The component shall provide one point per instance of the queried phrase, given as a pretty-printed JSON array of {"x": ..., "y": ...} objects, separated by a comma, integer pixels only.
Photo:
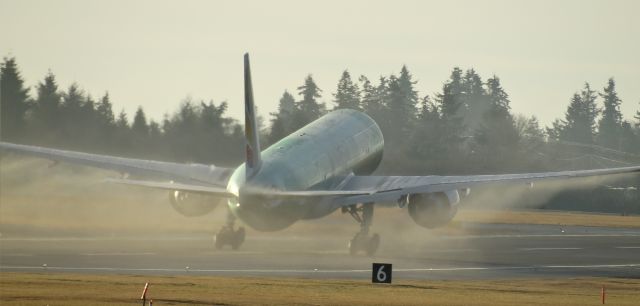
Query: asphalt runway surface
[{"x": 500, "y": 251}]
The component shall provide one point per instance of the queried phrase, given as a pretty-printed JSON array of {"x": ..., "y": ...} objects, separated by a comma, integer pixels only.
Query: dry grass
[{"x": 81, "y": 289}]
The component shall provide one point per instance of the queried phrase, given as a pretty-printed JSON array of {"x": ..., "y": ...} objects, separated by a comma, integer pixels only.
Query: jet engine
[
  {"x": 193, "y": 204},
  {"x": 433, "y": 210}
]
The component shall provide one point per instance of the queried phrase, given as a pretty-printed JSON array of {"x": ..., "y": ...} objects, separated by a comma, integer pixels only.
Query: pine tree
[
  {"x": 46, "y": 110},
  {"x": 610, "y": 125},
  {"x": 629, "y": 141},
  {"x": 450, "y": 100},
  {"x": 637, "y": 117},
  {"x": 14, "y": 98},
  {"x": 139, "y": 126},
  {"x": 105, "y": 114},
  {"x": 73, "y": 116},
  {"x": 498, "y": 102},
  {"x": 154, "y": 131},
  {"x": 369, "y": 101},
  {"x": 556, "y": 130},
  {"x": 427, "y": 143},
  {"x": 401, "y": 106},
  {"x": 475, "y": 103},
  {"x": 309, "y": 108},
  {"x": 498, "y": 99},
  {"x": 496, "y": 137},
  {"x": 450, "y": 128},
  {"x": 282, "y": 121},
  {"x": 347, "y": 94},
  {"x": 122, "y": 138},
  {"x": 122, "y": 122},
  {"x": 373, "y": 99},
  {"x": 529, "y": 132},
  {"x": 580, "y": 119},
  {"x": 89, "y": 123}
]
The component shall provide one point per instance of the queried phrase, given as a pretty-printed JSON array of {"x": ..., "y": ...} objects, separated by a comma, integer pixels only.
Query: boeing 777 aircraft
[{"x": 320, "y": 168}]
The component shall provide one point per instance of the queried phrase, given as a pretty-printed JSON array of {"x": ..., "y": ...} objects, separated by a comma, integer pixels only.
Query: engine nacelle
[
  {"x": 193, "y": 204},
  {"x": 433, "y": 210}
]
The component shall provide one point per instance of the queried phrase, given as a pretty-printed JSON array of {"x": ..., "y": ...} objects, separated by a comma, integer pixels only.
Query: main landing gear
[
  {"x": 362, "y": 241},
  {"x": 228, "y": 236}
]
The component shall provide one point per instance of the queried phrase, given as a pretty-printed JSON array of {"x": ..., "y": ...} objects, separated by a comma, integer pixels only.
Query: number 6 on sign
[{"x": 381, "y": 273}]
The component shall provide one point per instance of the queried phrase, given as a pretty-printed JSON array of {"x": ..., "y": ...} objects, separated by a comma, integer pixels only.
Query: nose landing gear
[
  {"x": 228, "y": 236},
  {"x": 362, "y": 241}
]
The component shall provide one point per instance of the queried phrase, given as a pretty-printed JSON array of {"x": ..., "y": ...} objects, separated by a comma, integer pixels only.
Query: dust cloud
[
  {"x": 525, "y": 197},
  {"x": 41, "y": 200}
]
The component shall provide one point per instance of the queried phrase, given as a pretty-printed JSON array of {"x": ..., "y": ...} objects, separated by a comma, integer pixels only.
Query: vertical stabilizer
[{"x": 252, "y": 141}]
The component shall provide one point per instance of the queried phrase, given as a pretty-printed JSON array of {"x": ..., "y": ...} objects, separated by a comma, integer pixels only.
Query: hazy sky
[{"x": 156, "y": 53}]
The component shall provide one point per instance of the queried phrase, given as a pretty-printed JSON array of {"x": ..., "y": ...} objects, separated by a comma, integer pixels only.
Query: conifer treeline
[
  {"x": 468, "y": 122},
  {"x": 466, "y": 127}
]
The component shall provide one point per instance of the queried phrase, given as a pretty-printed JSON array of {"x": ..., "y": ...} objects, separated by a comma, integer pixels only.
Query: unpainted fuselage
[{"x": 318, "y": 156}]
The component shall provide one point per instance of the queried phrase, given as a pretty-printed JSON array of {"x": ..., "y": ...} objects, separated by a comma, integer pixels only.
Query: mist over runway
[{"x": 504, "y": 251}]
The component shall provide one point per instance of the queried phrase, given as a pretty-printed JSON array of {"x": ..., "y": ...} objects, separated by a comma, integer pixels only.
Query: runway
[{"x": 506, "y": 251}]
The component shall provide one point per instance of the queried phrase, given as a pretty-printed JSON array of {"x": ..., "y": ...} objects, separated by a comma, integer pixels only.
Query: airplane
[{"x": 323, "y": 167}]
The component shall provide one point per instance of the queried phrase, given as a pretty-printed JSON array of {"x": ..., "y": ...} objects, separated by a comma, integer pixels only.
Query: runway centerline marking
[
  {"x": 547, "y": 249},
  {"x": 628, "y": 247}
]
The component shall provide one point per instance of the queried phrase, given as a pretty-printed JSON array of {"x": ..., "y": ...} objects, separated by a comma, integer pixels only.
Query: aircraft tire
[
  {"x": 358, "y": 243},
  {"x": 372, "y": 245},
  {"x": 224, "y": 237},
  {"x": 238, "y": 238}
]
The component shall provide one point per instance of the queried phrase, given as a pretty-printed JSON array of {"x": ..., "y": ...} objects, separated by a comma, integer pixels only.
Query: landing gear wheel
[
  {"x": 356, "y": 243},
  {"x": 365, "y": 243},
  {"x": 227, "y": 236},
  {"x": 238, "y": 238},
  {"x": 372, "y": 245},
  {"x": 362, "y": 241}
]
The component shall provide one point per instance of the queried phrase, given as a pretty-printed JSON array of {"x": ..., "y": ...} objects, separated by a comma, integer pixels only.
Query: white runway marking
[
  {"x": 632, "y": 234},
  {"x": 236, "y": 252},
  {"x": 451, "y": 250},
  {"x": 628, "y": 247},
  {"x": 547, "y": 249},
  {"x": 200, "y": 238},
  {"x": 44, "y": 239},
  {"x": 118, "y": 254},
  {"x": 311, "y": 271}
]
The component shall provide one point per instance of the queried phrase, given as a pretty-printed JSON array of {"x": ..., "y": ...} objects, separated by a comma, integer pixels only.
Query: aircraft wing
[
  {"x": 380, "y": 189},
  {"x": 186, "y": 173},
  {"x": 220, "y": 192}
]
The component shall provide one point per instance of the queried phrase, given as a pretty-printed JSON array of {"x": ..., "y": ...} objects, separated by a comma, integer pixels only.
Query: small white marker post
[{"x": 144, "y": 294}]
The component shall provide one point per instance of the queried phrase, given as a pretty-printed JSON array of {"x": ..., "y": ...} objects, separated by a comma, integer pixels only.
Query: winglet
[{"x": 252, "y": 145}]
